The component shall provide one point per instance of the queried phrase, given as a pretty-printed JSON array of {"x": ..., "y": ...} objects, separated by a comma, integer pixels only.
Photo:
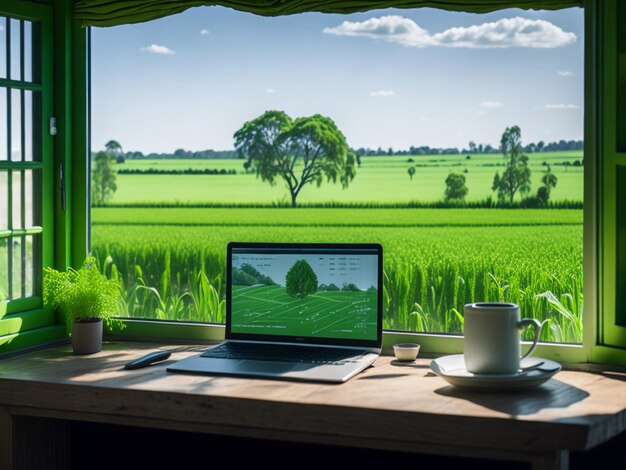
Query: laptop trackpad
[{"x": 267, "y": 367}]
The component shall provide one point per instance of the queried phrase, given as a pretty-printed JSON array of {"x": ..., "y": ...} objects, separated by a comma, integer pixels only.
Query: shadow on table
[{"x": 553, "y": 394}]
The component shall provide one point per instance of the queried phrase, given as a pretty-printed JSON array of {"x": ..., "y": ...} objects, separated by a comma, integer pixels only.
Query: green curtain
[{"x": 116, "y": 12}]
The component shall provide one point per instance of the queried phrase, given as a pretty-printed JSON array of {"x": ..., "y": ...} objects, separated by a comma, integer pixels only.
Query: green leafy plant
[{"x": 83, "y": 295}]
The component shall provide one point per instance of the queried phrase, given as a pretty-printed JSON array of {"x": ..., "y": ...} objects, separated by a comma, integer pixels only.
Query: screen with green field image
[{"x": 305, "y": 295}]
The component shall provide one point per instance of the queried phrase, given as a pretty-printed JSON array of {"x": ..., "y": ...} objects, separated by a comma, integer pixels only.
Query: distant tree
[
  {"x": 549, "y": 181},
  {"x": 455, "y": 187},
  {"x": 411, "y": 172},
  {"x": 480, "y": 148},
  {"x": 113, "y": 147},
  {"x": 103, "y": 177},
  {"x": 302, "y": 151},
  {"x": 120, "y": 159},
  {"x": 301, "y": 280},
  {"x": 472, "y": 146},
  {"x": 516, "y": 176}
]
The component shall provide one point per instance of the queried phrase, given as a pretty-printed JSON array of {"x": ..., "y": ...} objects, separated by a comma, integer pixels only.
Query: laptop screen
[{"x": 307, "y": 293}]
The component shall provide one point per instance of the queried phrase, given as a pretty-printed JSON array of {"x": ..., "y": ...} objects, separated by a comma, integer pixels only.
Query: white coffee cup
[{"x": 492, "y": 337}]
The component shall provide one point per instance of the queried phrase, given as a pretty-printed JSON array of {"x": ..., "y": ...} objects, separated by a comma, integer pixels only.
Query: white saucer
[{"x": 452, "y": 369}]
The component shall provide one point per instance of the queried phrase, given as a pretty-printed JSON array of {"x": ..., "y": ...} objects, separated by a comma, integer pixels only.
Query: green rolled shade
[{"x": 117, "y": 12}]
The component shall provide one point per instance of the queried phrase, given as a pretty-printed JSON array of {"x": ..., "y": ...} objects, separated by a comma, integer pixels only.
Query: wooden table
[{"x": 391, "y": 406}]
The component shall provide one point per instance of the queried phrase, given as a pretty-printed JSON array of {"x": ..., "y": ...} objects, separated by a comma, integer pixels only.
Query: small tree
[
  {"x": 455, "y": 187},
  {"x": 102, "y": 178},
  {"x": 114, "y": 148},
  {"x": 543, "y": 193},
  {"x": 516, "y": 175},
  {"x": 411, "y": 171},
  {"x": 301, "y": 280}
]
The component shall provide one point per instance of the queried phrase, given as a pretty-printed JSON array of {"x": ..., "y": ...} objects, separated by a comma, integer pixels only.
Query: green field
[
  {"x": 269, "y": 310},
  {"x": 172, "y": 261},
  {"x": 378, "y": 180}
]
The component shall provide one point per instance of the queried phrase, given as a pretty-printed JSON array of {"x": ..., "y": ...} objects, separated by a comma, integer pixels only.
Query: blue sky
[{"x": 389, "y": 78}]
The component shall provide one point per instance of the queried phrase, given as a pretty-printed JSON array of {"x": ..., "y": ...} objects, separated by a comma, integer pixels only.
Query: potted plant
[{"x": 87, "y": 298}]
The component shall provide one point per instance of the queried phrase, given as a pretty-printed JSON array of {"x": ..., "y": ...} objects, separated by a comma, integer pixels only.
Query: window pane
[
  {"x": 28, "y": 263},
  {"x": 29, "y": 200},
  {"x": 4, "y": 269},
  {"x": 16, "y": 48},
  {"x": 4, "y": 200},
  {"x": 28, "y": 51},
  {"x": 3, "y": 47},
  {"x": 16, "y": 125},
  {"x": 28, "y": 125},
  {"x": 424, "y": 112},
  {"x": 15, "y": 260},
  {"x": 3, "y": 124},
  {"x": 16, "y": 186}
]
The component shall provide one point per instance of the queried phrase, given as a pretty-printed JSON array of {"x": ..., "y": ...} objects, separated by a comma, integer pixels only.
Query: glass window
[
  {"x": 21, "y": 164},
  {"x": 456, "y": 144}
]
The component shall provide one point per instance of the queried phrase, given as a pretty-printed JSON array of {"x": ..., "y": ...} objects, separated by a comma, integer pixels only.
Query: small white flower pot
[{"x": 87, "y": 336}]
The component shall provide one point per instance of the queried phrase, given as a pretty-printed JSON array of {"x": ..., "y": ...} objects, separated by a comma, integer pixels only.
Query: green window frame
[
  {"x": 611, "y": 184},
  {"x": 604, "y": 336},
  {"x": 26, "y": 174}
]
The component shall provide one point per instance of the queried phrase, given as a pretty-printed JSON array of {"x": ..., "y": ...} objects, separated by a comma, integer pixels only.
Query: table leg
[{"x": 558, "y": 460}]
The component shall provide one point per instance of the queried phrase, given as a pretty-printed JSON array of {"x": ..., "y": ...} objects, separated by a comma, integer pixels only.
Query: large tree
[
  {"x": 301, "y": 280},
  {"x": 301, "y": 151},
  {"x": 516, "y": 175}
]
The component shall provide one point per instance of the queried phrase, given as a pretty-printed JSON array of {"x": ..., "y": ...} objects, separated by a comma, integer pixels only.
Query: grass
[
  {"x": 379, "y": 180},
  {"x": 171, "y": 261},
  {"x": 333, "y": 217},
  {"x": 331, "y": 314}
]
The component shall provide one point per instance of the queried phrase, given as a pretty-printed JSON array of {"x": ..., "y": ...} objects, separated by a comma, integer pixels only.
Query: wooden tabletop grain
[{"x": 398, "y": 406}]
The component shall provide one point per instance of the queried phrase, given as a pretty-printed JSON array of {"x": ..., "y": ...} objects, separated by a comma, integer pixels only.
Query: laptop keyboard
[{"x": 284, "y": 353}]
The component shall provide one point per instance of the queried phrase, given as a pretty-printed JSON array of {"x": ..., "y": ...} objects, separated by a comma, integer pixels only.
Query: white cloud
[
  {"x": 157, "y": 49},
  {"x": 383, "y": 93},
  {"x": 491, "y": 104},
  {"x": 565, "y": 73},
  {"x": 270, "y": 91},
  {"x": 205, "y": 31},
  {"x": 392, "y": 28},
  {"x": 506, "y": 32},
  {"x": 560, "y": 106}
]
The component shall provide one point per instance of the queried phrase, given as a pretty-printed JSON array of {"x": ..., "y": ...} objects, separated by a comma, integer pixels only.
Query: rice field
[
  {"x": 172, "y": 261},
  {"x": 381, "y": 179}
]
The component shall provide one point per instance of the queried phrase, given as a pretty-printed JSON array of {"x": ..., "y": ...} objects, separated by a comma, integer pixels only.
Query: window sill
[{"x": 431, "y": 344}]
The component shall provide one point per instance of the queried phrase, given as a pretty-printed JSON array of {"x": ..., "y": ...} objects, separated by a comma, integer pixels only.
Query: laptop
[{"x": 298, "y": 311}]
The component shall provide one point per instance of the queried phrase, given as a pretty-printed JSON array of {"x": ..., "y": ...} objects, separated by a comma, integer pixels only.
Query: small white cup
[
  {"x": 406, "y": 352},
  {"x": 492, "y": 337}
]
